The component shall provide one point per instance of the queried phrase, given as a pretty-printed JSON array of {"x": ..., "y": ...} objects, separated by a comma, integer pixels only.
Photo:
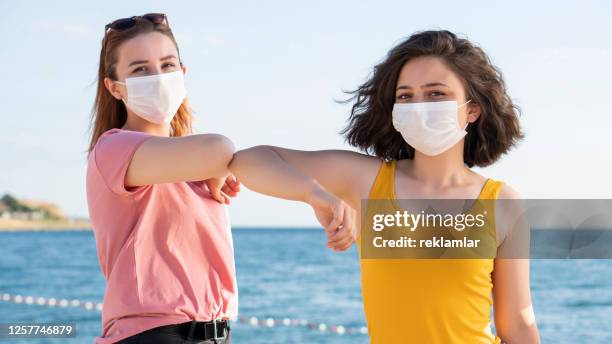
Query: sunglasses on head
[{"x": 126, "y": 23}]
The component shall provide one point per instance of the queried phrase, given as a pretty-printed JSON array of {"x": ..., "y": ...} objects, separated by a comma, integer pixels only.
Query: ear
[
  {"x": 112, "y": 88},
  {"x": 184, "y": 68},
  {"x": 473, "y": 112}
]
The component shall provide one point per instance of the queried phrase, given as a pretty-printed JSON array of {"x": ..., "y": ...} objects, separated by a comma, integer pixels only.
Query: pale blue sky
[{"x": 267, "y": 73}]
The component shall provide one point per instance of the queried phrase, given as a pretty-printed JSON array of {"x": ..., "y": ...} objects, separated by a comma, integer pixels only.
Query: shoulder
[
  {"x": 509, "y": 212},
  {"x": 356, "y": 171},
  {"x": 108, "y": 136},
  {"x": 116, "y": 147},
  {"x": 111, "y": 157},
  {"x": 496, "y": 189},
  {"x": 118, "y": 141},
  {"x": 365, "y": 164},
  {"x": 507, "y": 198},
  {"x": 508, "y": 204},
  {"x": 117, "y": 134},
  {"x": 110, "y": 132},
  {"x": 370, "y": 162},
  {"x": 356, "y": 157},
  {"x": 357, "y": 165},
  {"x": 362, "y": 165},
  {"x": 507, "y": 191}
]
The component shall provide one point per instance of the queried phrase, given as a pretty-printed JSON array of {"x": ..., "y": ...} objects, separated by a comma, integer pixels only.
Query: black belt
[{"x": 198, "y": 330}]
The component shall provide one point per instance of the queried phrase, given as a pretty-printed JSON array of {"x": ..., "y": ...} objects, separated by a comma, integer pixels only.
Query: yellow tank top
[{"x": 427, "y": 300}]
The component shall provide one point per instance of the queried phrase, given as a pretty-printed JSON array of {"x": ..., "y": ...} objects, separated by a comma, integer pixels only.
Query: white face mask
[
  {"x": 430, "y": 127},
  {"x": 155, "y": 98}
]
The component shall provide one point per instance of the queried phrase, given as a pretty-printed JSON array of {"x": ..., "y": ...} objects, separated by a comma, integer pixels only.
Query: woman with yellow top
[{"x": 434, "y": 108}]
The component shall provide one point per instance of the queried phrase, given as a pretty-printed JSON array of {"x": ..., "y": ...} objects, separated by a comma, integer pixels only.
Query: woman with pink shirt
[{"x": 156, "y": 195}]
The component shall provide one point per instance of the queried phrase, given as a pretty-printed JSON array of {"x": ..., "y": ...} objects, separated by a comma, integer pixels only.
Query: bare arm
[
  {"x": 323, "y": 179},
  {"x": 173, "y": 159},
  {"x": 273, "y": 171},
  {"x": 514, "y": 316}
]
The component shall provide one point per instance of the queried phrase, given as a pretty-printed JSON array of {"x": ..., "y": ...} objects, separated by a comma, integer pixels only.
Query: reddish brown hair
[{"x": 108, "y": 112}]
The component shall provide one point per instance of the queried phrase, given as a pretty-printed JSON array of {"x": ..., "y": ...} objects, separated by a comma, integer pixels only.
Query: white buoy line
[{"x": 252, "y": 321}]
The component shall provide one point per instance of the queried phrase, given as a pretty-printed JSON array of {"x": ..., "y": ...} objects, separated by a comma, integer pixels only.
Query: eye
[
  {"x": 403, "y": 96},
  {"x": 437, "y": 94},
  {"x": 168, "y": 65},
  {"x": 139, "y": 69}
]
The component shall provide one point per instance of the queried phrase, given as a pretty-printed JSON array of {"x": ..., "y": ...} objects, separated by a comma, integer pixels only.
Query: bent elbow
[
  {"x": 219, "y": 151},
  {"x": 251, "y": 154},
  {"x": 224, "y": 146}
]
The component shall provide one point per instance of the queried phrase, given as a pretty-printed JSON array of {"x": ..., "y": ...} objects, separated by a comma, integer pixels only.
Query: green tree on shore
[{"x": 13, "y": 204}]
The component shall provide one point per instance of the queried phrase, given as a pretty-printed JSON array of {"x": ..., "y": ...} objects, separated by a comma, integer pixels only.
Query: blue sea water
[{"x": 282, "y": 273}]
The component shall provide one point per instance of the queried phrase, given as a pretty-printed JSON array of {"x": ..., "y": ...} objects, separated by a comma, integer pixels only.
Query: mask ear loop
[
  {"x": 121, "y": 83},
  {"x": 466, "y": 124},
  {"x": 464, "y": 103}
]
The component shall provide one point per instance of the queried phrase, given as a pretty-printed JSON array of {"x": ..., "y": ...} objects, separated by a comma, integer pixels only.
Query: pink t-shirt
[{"x": 165, "y": 250}]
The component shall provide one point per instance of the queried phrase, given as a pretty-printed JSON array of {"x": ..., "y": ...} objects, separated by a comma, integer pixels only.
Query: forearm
[
  {"x": 515, "y": 319},
  {"x": 262, "y": 170},
  {"x": 522, "y": 333}
]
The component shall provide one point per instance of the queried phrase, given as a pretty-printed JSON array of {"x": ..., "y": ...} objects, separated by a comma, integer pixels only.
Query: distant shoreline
[
  {"x": 12, "y": 225},
  {"x": 59, "y": 226}
]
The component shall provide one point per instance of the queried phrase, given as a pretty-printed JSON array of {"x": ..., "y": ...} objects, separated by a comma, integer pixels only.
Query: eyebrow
[
  {"x": 431, "y": 84},
  {"x": 137, "y": 62}
]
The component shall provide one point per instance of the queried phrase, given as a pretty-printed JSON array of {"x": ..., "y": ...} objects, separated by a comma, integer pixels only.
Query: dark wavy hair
[{"x": 497, "y": 129}]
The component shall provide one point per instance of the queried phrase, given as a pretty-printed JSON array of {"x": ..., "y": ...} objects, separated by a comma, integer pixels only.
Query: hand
[
  {"x": 221, "y": 189},
  {"x": 336, "y": 217}
]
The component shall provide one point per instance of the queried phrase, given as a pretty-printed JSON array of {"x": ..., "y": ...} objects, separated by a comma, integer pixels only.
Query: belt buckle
[{"x": 215, "y": 333}]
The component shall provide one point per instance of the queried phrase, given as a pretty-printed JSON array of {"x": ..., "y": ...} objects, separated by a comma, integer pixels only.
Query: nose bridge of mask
[
  {"x": 431, "y": 114},
  {"x": 150, "y": 84},
  {"x": 134, "y": 86},
  {"x": 154, "y": 86}
]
